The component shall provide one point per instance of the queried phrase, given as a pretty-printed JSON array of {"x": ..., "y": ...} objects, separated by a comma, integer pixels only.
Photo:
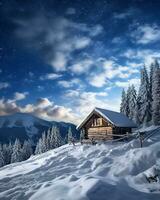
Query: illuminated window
[{"x": 97, "y": 122}]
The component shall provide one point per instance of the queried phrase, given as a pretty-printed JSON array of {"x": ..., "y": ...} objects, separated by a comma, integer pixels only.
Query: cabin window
[{"x": 97, "y": 122}]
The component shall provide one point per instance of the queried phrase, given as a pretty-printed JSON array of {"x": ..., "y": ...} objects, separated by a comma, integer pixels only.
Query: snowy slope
[{"x": 103, "y": 172}]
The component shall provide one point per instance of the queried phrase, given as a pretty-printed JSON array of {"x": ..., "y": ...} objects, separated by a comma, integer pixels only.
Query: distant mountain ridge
[{"x": 26, "y": 126}]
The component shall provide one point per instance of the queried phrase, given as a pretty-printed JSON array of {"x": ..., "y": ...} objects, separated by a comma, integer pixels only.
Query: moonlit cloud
[
  {"x": 43, "y": 108},
  {"x": 145, "y": 34},
  {"x": 143, "y": 56},
  {"x": 123, "y": 15},
  {"x": 19, "y": 96},
  {"x": 82, "y": 66},
  {"x": 69, "y": 84},
  {"x": 57, "y": 39},
  {"x": 111, "y": 70},
  {"x": 71, "y": 57},
  {"x": 51, "y": 76},
  {"x": 125, "y": 84},
  {"x": 4, "y": 85},
  {"x": 71, "y": 11}
]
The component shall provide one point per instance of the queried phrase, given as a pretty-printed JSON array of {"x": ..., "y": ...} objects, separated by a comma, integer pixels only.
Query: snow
[
  {"x": 118, "y": 119},
  {"x": 105, "y": 171}
]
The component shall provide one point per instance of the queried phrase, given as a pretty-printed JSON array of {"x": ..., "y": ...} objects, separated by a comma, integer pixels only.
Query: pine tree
[
  {"x": 27, "y": 149},
  {"x": 70, "y": 135},
  {"x": 128, "y": 99},
  {"x": 151, "y": 78},
  {"x": 44, "y": 143},
  {"x": 17, "y": 155},
  {"x": 125, "y": 103},
  {"x": 144, "y": 98},
  {"x": 156, "y": 94},
  {"x": 2, "y": 163},
  {"x": 123, "y": 100},
  {"x": 7, "y": 152},
  {"x": 38, "y": 149},
  {"x": 132, "y": 102},
  {"x": 57, "y": 137},
  {"x": 48, "y": 139},
  {"x": 52, "y": 138}
]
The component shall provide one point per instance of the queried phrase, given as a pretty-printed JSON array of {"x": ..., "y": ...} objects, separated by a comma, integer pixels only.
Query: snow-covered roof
[{"x": 115, "y": 118}]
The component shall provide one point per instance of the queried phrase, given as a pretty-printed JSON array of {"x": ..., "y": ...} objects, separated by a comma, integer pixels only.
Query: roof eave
[{"x": 86, "y": 118}]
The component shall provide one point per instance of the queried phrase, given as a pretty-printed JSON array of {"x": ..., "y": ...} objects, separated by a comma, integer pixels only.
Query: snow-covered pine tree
[
  {"x": 151, "y": 78},
  {"x": 52, "y": 138},
  {"x": 17, "y": 152},
  {"x": 123, "y": 101},
  {"x": 38, "y": 149},
  {"x": 132, "y": 102},
  {"x": 58, "y": 141},
  {"x": 144, "y": 99},
  {"x": 2, "y": 163},
  {"x": 7, "y": 152},
  {"x": 27, "y": 149},
  {"x": 44, "y": 143},
  {"x": 70, "y": 135},
  {"x": 128, "y": 97},
  {"x": 48, "y": 139},
  {"x": 10, "y": 151},
  {"x": 156, "y": 94}
]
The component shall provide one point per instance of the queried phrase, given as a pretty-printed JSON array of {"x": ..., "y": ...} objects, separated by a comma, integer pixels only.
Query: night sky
[{"x": 61, "y": 58}]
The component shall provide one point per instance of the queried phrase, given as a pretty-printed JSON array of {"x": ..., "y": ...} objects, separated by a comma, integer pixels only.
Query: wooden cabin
[{"x": 102, "y": 124}]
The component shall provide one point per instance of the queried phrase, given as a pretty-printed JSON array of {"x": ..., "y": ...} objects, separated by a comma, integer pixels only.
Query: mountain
[
  {"x": 26, "y": 126},
  {"x": 114, "y": 171}
]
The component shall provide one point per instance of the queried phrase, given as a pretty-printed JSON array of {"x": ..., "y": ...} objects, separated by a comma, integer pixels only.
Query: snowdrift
[{"x": 103, "y": 172}]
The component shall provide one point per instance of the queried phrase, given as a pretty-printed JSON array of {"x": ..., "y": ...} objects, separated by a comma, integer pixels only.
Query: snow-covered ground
[{"x": 102, "y": 172}]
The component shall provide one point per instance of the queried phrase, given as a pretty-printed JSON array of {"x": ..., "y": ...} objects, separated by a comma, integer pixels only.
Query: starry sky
[{"x": 61, "y": 58}]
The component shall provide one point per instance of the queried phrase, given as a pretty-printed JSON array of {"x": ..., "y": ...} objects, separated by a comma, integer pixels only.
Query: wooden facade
[{"x": 99, "y": 128}]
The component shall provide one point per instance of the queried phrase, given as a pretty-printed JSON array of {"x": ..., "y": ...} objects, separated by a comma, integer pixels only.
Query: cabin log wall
[{"x": 104, "y": 131}]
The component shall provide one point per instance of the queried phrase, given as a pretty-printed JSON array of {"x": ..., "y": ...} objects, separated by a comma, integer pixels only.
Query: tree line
[
  {"x": 143, "y": 106},
  {"x": 17, "y": 152}
]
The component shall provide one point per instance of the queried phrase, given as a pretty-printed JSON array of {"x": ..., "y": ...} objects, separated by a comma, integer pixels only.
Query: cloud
[
  {"x": 55, "y": 38},
  {"x": 70, "y": 11},
  {"x": 4, "y": 85},
  {"x": 110, "y": 70},
  {"x": 98, "y": 80},
  {"x": 83, "y": 102},
  {"x": 40, "y": 88},
  {"x": 8, "y": 107},
  {"x": 82, "y": 66},
  {"x": 146, "y": 34},
  {"x": 146, "y": 56},
  {"x": 31, "y": 74},
  {"x": 118, "y": 40},
  {"x": 125, "y": 84},
  {"x": 50, "y": 76},
  {"x": 124, "y": 15},
  {"x": 43, "y": 108},
  {"x": 69, "y": 84},
  {"x": 18, "y": 96}
]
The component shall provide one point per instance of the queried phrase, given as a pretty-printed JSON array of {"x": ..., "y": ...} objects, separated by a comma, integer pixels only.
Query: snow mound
[{"x": 104, "y": 171}]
